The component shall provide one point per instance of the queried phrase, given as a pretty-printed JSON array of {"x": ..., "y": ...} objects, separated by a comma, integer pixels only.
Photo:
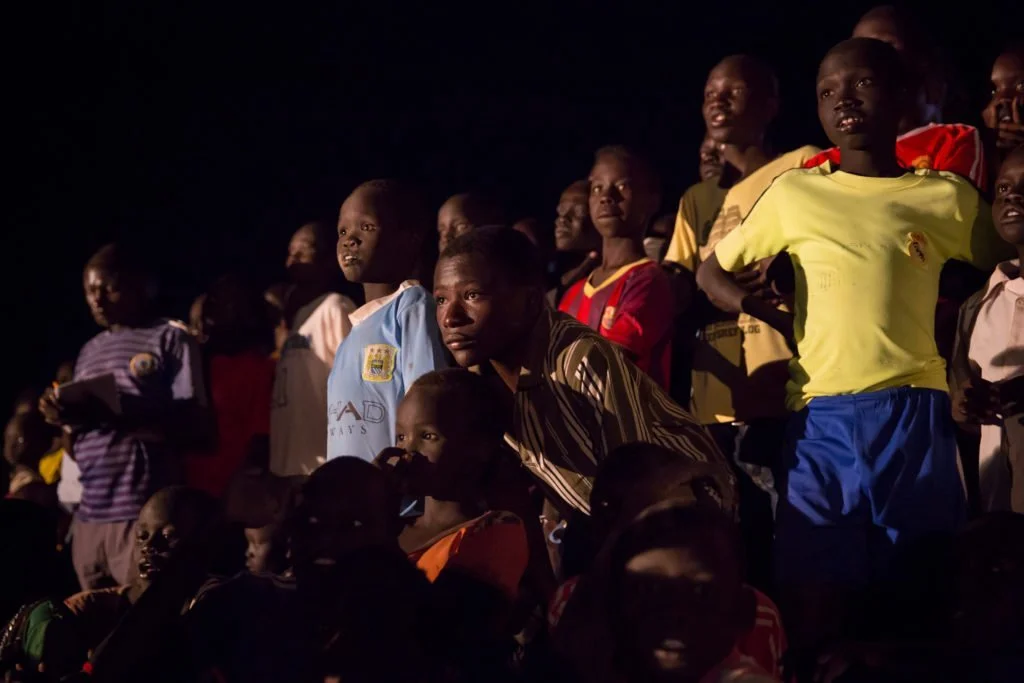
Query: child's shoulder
[
  {"x": 338, "y": 302},
  {"x": 413, "y": 296}
]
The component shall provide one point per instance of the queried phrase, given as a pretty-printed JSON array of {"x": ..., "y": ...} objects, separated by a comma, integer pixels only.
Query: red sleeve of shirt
[
  {"x": 959, "y": 150},
  {"x": 818, "y": 159},
  {"x": 570, "y": 297},
  {"x": 644, "y": 311}
]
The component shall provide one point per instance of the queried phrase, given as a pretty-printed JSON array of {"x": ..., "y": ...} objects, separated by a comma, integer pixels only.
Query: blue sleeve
[{"x": 421, "y": 349}]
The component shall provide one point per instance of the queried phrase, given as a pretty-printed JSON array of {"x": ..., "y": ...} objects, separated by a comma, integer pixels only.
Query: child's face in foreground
[
  {"x": 1008, "y": 205},
  {"x": 856, "y": 106},
  {"x": 445, "y": 450},
  {"x": 622, "y": 200},
  {"x": 679, "y": 606},
  {"x": 372, "y": 246},
  {"x": 159, "y": 534}
]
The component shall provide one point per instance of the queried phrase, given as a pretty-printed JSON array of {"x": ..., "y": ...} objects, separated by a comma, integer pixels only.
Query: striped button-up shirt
[{"x": 578, "y": 398}]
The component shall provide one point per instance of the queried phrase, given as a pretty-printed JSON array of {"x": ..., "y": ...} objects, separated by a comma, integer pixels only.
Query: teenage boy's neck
[
  {"x": 741, "y": 161},
  {"x": 135, "y": 322},
  {"x": 1020, "y": 258},
  {"x": 877, "y": 162},
  {"x": 509, "y": 364},
  {"x": 620, "y": 251},
  {"x": 378, "y": 290}
]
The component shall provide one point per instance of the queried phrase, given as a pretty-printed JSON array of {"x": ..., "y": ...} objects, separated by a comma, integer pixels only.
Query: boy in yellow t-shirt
[
  {"x": 732, "y": 379},
  {"x": 870, "y": 460},
  {"x": 738, "y": 363}
]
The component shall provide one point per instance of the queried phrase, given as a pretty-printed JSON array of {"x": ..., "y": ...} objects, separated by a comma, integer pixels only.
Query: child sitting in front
[{"x": 448, "y": 436}]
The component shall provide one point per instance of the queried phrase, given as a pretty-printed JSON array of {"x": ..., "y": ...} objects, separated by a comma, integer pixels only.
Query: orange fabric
[{"x": 491, "y": 548}]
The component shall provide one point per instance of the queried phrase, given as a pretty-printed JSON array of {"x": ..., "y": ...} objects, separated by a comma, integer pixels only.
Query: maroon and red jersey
[{"x": 634, "y": 308}]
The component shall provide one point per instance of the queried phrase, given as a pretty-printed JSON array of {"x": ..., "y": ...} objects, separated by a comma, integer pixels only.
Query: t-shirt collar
[{"x": 366, "y": 310}]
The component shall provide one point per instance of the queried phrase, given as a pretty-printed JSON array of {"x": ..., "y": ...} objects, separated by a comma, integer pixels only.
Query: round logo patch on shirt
[
  {"x": 917, "y": 245},
  {"x": 143, "y": 365},
  {"x": 379, "y": 362},
  {"x": 608, "y": 317}
]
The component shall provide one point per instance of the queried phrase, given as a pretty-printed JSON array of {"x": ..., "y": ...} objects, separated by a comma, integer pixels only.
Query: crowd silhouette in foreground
[{"x": 776, "y": 436}]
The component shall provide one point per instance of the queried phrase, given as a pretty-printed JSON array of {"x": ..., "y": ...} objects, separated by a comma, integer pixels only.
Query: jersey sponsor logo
[
  {"x": 143, "y": 365},
  {"x": 348, "y": 419},
  {"x": 923, "y": 161},
  {"x": 917, "y": 245},
  {"x": 608, "y": 317},
  {"x": 379, "y": 362}
]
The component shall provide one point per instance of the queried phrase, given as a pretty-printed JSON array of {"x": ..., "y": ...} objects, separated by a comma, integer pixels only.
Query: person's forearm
[
  {"x": 724, "y": 293},
  {"x": 720, "y": 287}
]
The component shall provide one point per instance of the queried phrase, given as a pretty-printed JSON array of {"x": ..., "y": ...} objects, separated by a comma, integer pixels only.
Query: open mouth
[
  {"x": 1012, "y": 214},
  {"x": 850, "y": 122},
  {"x": 350, "y": 260},
  {"x": 718, "y": 118}
]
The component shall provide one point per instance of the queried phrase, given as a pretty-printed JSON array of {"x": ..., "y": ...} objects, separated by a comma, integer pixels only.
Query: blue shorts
[{"x": 864, "y": 474}]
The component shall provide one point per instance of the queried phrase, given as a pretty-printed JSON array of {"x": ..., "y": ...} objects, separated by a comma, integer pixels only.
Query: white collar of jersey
[{"x": 366, "y": 310}]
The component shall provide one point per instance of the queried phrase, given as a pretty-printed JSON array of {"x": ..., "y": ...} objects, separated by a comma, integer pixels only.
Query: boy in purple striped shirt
[{"x": 127, "y": 453}]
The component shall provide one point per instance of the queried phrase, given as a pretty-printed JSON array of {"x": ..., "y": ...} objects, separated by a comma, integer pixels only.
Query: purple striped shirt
[{"x": 156, "y": 365}]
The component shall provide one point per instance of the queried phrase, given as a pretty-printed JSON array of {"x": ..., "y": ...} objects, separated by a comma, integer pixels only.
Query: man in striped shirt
[
  {"x": 126, "y": 448},
  {"x": 576, "y": 397}
]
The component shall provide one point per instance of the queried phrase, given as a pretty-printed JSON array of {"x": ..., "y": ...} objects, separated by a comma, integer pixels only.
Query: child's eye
[
  {"x": 865, "y": 82},
  {"x": 825, "y": 94},
  {"x": 429, "y": 436},
  {"x": 439, "y": 300},
  {"x": 368, "y": 227},
  {"x": 400, "y": 438},
  {"x": 709, "y": 94},
  {"x": 621, "y": 187},
  {"x": 1002, "y": 188},
  {"x": 472, "y": 296}
]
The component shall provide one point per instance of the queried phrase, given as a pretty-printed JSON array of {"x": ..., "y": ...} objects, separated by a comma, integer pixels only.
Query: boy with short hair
[
  {"x": 316, "y": 317},
  {"x": 576, "y": 396},
  {"x": 464, "y": 212},
  {"x": 577, "y": 244},
  {"x": 126, "y": 456},
  {"x": 676, "y": 601},
  {"x": 449, "y": 435},
  {"x": 626, "y": 296},
  {"x": 382, "y": 228},
  {"x": 740, "y": 101},
  {"x": 870, "y": 457},
  {"x": 987, "y": 372},
  {"x": 923, "y": 141}
]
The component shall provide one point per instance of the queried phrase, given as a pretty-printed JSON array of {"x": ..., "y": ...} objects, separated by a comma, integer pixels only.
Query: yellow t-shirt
[
  {"x": 739, "y": 363},
  {"x": 49, "y": 466},
  {"x": 867, "y": 254}
]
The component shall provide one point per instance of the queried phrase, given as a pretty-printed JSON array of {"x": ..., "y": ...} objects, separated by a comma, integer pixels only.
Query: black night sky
[{"x": 212, "y": 133}]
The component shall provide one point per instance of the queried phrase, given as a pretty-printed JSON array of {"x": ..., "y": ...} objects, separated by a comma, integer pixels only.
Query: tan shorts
[{"x": 103, "y": 553}]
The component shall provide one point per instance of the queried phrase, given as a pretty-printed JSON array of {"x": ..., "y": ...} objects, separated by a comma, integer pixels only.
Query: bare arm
[{"x": 727, "y": 295}]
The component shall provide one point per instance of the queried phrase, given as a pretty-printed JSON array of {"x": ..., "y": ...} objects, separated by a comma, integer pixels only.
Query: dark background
[{"x": 212, "y": 133}]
